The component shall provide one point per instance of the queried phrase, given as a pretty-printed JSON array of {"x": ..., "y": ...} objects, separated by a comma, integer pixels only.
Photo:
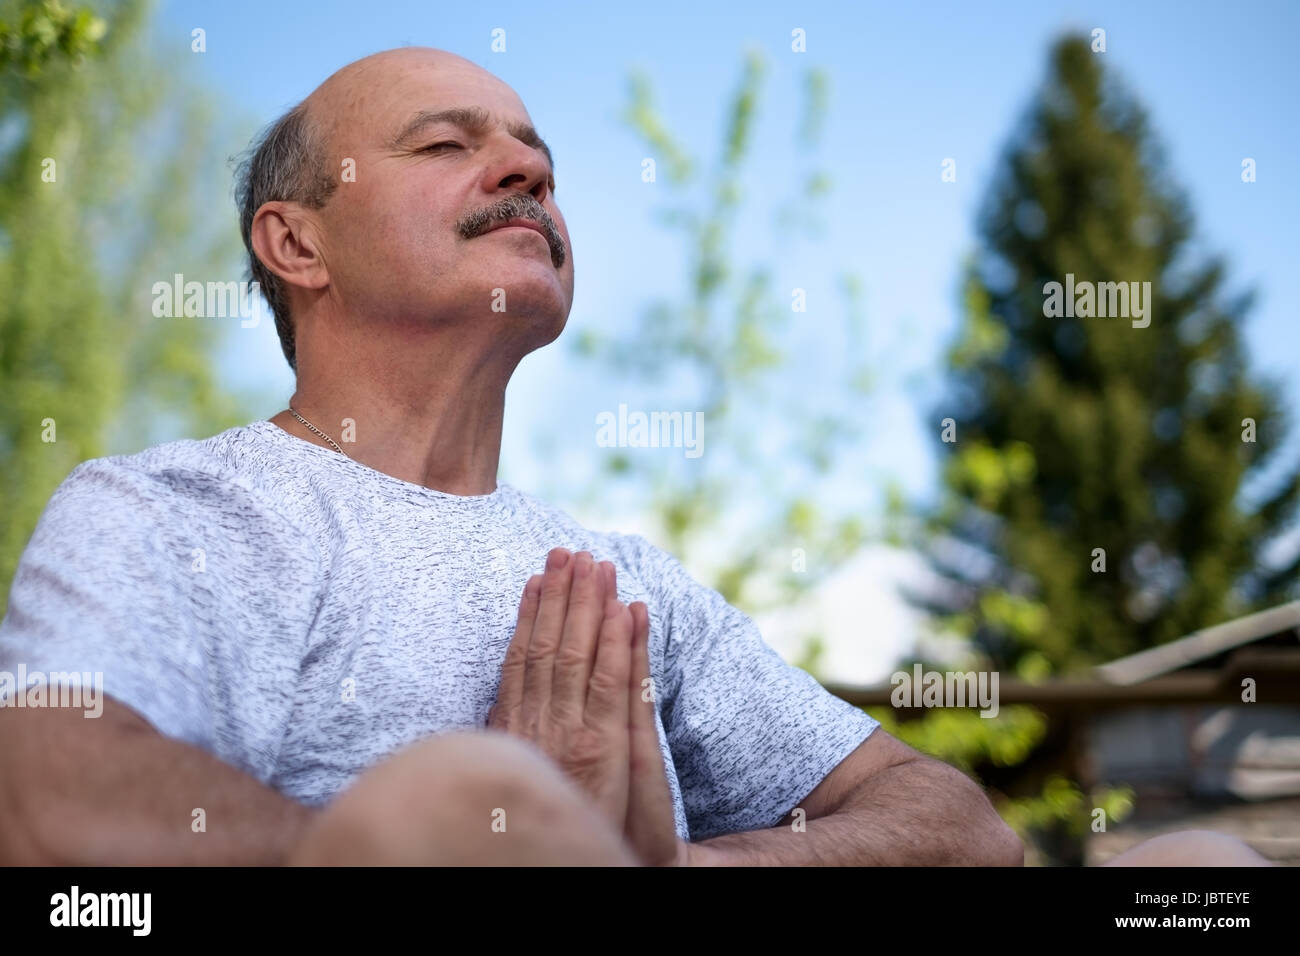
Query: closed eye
[{"x": 447, "y": 142}]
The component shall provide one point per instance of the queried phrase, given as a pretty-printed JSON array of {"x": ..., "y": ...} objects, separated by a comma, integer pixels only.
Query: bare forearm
[
  {"x": 115, "y": 792},
  {"x": 920, "y": 813}
]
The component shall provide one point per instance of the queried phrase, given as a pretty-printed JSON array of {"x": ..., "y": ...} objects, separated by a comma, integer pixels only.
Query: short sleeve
[
  {"x": 750, "y": 734},
  {"x": 179, "y": 593}
]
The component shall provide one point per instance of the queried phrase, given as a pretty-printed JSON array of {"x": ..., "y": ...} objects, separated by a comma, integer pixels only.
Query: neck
[{"x": 431, "y": 416}]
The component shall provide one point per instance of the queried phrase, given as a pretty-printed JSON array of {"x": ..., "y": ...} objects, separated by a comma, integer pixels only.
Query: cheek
[{"x": 379, "y": 211}]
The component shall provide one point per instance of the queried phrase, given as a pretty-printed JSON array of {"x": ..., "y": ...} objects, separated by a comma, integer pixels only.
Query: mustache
[{"x": 517, "y": 206}]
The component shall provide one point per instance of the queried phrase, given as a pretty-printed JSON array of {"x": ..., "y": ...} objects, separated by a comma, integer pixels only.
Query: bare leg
[
  {"x": 1190, "y": 848},
  {"x": 475, "y": 798}
]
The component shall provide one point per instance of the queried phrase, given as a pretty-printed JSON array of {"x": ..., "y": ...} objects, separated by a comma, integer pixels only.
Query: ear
[{"x": 284, "y": 239}]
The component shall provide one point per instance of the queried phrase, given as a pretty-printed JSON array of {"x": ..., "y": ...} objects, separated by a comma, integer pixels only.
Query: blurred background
[{"x": 827, "y": 229}]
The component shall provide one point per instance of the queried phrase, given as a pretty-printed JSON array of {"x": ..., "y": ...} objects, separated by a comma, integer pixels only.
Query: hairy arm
[
  {"x": 113, "y": 791},
  {"x": 884, "y": 805}
]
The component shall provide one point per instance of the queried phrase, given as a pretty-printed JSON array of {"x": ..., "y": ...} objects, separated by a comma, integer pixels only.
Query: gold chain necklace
[{"x": 313, "y": 428}]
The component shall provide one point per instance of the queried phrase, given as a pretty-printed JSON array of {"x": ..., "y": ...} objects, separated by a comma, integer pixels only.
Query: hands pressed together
[{"x": 576, "y": 683}]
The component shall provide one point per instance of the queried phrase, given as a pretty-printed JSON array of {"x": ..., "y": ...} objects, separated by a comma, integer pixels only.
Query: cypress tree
[{"x": 1111, "y": 483}]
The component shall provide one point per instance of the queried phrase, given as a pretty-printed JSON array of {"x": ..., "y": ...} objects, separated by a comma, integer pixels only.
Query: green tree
[
  {"x": 37, "y": 33},
  {"x": 107, "y": 184},
  {"x": 1099, "y": 497},
  {"x": 1079, "y": 434}
]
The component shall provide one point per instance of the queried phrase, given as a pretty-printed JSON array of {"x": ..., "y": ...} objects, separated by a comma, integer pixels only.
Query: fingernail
[
  {"x": 533, "y": 586},
  {"x": 557, "y": 559},
  {"x": 582, "y": 566}
]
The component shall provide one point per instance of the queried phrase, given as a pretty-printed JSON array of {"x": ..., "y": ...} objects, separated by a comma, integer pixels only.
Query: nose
[{"x": 517, "y": 166}]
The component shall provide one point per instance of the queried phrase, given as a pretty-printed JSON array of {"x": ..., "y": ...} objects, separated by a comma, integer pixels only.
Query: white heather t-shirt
[{"x": 301, "y": 616}]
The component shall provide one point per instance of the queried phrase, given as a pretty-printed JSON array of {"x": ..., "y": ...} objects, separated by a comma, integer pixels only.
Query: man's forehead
[{"x": 386, "y": 93}]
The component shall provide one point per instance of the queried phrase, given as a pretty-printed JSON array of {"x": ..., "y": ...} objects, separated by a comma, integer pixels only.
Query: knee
[
  {"x": 1190, "y": 848},
  {"x": 458, "y": 799}
]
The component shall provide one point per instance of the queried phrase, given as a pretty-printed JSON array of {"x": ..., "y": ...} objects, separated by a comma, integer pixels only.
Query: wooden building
[{"x": 1204, "y": 729}]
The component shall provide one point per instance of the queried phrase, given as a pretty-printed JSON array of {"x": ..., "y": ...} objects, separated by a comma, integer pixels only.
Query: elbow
[
  {"x": 994, "y": 842},
  {"x": 990, "y": 841}
]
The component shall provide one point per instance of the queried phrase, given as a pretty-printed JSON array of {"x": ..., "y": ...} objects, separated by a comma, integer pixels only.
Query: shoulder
[
  {"x": 122, "y": 489},
  {"x": 170, "y": 492}
]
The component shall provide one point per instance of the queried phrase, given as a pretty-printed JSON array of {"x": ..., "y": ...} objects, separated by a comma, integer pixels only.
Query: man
[{"x": 333, "y": 637}]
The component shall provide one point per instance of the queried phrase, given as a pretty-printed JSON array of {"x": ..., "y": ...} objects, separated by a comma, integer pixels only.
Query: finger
[
  {"x": 539, "y": 659},
  {"x": 575, "y": 658},
  {"x": 510, "y": 692},
  {"x": 642, "y": 699},
  {"x": 642, "y": 702},
  {"x": 651, "y": 821},
  {"x": 607, "y": 691}
]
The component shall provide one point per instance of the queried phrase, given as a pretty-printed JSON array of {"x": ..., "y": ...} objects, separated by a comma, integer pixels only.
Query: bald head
[
  {"x": 417, "y": 135},
  {"x": 352, "y": 94}
]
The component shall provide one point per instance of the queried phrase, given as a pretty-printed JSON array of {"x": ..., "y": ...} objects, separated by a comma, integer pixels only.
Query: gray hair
[{"x": 286, "y": 162}]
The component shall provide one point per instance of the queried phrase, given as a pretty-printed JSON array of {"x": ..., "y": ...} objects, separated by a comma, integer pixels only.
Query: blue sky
[{"x": 910, "y": 84}]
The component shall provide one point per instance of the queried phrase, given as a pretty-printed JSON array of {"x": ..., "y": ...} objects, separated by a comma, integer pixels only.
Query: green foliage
[
  {"x": 108, "y": 178},
  {"x": 965, "y": 739},
  {"x": 41, "y": 31},
  {"x": 725, "y": 347},
  {"x": 1063, "y": 807}
]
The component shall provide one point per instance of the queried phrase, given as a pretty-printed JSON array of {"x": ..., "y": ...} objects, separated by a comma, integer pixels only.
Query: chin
[
  {"x": 539, "y": 328},
  {"x": 542, "y": 298},
  {"x": 547, "y": 326}
]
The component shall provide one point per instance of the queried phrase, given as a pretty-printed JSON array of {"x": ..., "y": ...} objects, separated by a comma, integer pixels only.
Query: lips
[
  {"x": 518, "y": 221},
  {"x": 524, "y": 218}
]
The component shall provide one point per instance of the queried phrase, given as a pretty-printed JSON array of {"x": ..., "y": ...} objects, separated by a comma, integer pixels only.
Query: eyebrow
[{"x": 472, "y": 119}]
